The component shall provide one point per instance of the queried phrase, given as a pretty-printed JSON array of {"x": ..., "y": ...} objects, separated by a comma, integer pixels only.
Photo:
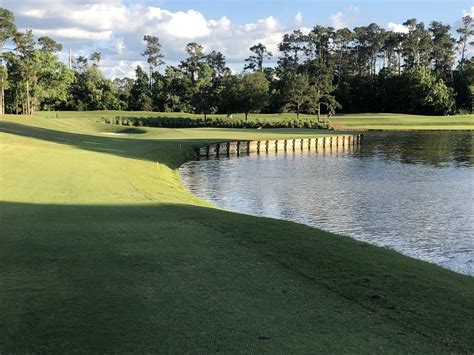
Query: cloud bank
[{"x": 117, "y": 29}]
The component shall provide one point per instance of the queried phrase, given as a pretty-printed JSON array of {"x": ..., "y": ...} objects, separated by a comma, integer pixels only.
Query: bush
[{"x": 186, "y": 122}]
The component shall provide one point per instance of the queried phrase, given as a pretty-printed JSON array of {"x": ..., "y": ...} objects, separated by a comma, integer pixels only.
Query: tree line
[{"x": 367, "y": 69}]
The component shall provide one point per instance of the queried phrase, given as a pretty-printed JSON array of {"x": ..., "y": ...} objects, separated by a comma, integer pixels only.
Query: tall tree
[
  {"x": 292, "y": 48},
  {"x": 297, "y": 93},
  {"x": 194, "y": 60},
  {"x": 25, "y": 47},
  {"x": 153, "y": 54},
  {"x": 123, "y": 87},
  {"x": 425, "y": 93},
  {"x": 95, "y": 58},
  {"x": 51, "y": 90},
  {"x": 254, "y": 92},
  {"x": 392, "y": 49},
  {"x": 140, "y": 93},
  {"x": 204, "y": 97},
  {"x": 417, "y": 45},
  {"x": 443, "y": 49},
  {"x": 177, "y": 90},
  {"x": 466, "y": 31},
  {"x": 80, "y": 64},
  {"x": 343, "y": 53},
  {"x": 216, "y": 61},
  {"x": 319, "y": 44},
  {"x": 48, "y": 44},
  {"x": 7, "y": 32},
  {"x": 255, "y": 61},
  {"x": 230, "y": 95},
  {"x": 321, "y": 94},
  {"x": 369, "y": 43}
]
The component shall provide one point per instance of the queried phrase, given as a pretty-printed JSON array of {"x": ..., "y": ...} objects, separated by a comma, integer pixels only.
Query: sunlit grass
[
  {"x": 103, "y": 250},
  {"x": 373, "y": 121}
]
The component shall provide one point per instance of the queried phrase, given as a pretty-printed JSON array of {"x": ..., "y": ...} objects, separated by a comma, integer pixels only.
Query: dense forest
[{"x": 367, "y": 69}]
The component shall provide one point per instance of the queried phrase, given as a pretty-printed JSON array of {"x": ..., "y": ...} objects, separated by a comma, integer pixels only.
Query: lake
[{"x": 410, "y": 192}]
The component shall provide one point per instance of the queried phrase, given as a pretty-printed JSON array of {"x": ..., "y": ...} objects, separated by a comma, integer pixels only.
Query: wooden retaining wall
[{"x": 283, "y": 145}]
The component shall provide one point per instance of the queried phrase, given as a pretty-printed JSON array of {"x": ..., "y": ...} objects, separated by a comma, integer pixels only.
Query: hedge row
[{"x": 187, "y": 122}]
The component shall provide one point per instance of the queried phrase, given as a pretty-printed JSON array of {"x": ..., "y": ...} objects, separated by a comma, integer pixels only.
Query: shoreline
[{"x": 203, "y": 153}]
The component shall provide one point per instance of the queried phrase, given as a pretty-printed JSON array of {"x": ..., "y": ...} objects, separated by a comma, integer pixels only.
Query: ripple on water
[{"x": 409, "y": 192}]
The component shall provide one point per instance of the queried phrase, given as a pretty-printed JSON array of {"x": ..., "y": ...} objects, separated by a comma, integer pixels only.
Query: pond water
[{"x": 411, "y": 192}]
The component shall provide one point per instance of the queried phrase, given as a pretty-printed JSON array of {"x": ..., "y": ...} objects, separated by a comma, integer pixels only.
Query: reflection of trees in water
[{"x": 436, "y": 149}]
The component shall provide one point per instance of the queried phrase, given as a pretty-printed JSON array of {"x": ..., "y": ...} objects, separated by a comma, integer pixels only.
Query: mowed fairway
[
  {"x": 398, "y": 122},
  {"x": 102, "y": 250},
  {"x": 369, "y": 121}
]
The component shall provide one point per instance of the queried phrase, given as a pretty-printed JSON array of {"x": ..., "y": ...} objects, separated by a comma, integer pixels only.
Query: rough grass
[{"x": 102, "y": 250}]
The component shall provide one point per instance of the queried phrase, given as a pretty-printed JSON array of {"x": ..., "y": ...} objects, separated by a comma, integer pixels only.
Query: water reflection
[{"x": 412, "y": 192}]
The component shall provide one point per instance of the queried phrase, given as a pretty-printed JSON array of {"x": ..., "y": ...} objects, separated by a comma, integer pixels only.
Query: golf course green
[
  {"x": 371, "y": 121},
  {"x": 103, "y": 250}
]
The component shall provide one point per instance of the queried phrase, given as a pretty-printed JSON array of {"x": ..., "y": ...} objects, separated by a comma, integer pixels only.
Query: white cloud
[
  {"x": 270, "y": 23},
  {"x": 120, "y": 68},
  {"x": 190, "y": 24},
  {"x": 103, "y": 16},
  {"x": 395, "y": 27},
  {"x": 36, "y": 13},
  {"x": 469, "y": 12},
  {"x": 116, "y": 29},
  {"x": 223, "y": 22},
  {"x": 338, "y": 20},
  {"x": 119, "y": 45},
  {"x": 345, "y": 18},
  {"x": 298, "y": 19},
  {"x": 74, "y": 33}
]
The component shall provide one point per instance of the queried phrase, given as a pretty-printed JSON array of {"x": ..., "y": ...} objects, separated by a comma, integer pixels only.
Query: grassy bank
[
  {"x": 102, "y": 250},
  {"x": 377, "y": 121}
]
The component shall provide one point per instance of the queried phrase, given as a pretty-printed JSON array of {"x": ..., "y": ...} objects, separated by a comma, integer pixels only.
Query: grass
[
  {"x": 395, "y": 122},
  {"x": 102, "y": 250},
  {"x": 377, "y": 121}
]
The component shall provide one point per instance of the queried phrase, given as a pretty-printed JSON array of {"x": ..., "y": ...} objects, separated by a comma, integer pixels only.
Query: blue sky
[
  {"x": 318, "y": 11},
  {"x": 116, "y": 27}
]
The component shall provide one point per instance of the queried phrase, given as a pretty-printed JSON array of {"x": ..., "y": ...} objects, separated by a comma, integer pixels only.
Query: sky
[{"x": 116, "y": 27}]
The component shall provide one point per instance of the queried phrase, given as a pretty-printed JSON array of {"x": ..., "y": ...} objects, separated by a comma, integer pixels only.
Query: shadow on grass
[
  {"x": 188, "y": 278},
  {"x": 144, "y": 149}
]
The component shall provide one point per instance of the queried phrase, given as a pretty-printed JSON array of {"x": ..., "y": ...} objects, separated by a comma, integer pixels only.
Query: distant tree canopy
[{"x": 367, "y": 69}]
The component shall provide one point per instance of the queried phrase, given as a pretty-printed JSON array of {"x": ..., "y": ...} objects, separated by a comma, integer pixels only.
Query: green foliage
[
  {"x": 51, "y": 90},
  {"x": 49, "y": 45},
  {"x": 218, "y": 122},
  {"x": 427, "y": 94},
  {"x": 204, "y": 96},
  {"x": 92, "y": 91},
  {"x": 253, "y": 93},
  {"x": 367, "y": 69},
  {"x": 255, "y": 61},
  {"x": 7, "y": 25},
  {"x": 463, "y": 84},
  {"x": 139, "y": 99},
  {"x": 298, "y": 94}
]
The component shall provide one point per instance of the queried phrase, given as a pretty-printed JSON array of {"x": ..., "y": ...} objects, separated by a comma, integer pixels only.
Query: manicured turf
[
  {"x": 395, "y": 122},
  {"x": 102, "y": 250},
  {"x": 377, "y": 121}
]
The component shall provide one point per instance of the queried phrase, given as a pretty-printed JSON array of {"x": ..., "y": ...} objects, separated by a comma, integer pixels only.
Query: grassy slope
[
  {"x": 378, "y": 121},
  {"x": 103, "y": 250}
]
